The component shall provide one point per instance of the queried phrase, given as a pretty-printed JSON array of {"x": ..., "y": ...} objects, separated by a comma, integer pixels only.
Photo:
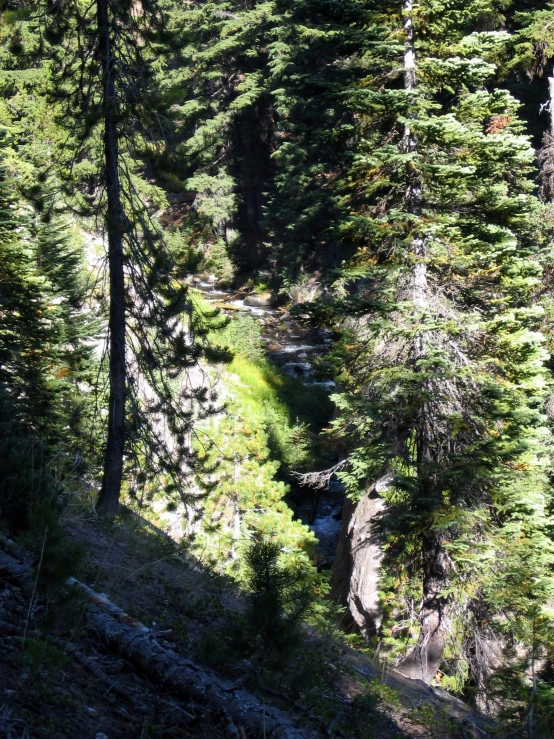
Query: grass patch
[{"x": 263, "y": 384}]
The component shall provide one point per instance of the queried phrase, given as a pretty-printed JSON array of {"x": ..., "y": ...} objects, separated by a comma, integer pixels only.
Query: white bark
[{"x": 409, "y": 52}]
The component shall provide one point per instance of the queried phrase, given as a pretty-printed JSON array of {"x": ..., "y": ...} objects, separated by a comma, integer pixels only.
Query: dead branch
[{"x": 319, "y": 480}]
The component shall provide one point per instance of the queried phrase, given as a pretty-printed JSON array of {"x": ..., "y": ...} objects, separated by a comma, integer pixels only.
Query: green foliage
[
  {"x": 217, "y": 259},
  {"x": 26, "y": 488},
  {"x": 245, "y": 496},
  {"x": 31, "y": 499},
  {"x": 45, "y": 355},
  {"x": 259, "y": 98},
  {"x": 279, "y": 598},
  {"x": 187, "y": 259},
  {"x": 437, "y": 722},
  {"x": 523, "y": 686},
  {"x": 243, "y": 335},
  {"x": 442, "y": 365},
  {"x": 264, "y": 434},
  {"x": 525, "y": 709},
  {"x": 294, "y": 151}
]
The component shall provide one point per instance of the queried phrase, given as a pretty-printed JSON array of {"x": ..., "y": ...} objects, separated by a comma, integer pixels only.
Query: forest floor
[{"x": 57, "y": 679}]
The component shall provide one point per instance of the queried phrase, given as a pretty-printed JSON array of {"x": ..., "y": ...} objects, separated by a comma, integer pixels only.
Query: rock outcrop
[
  {"x": 263, "y": 300},
  {"x": 356, "y": 571}
]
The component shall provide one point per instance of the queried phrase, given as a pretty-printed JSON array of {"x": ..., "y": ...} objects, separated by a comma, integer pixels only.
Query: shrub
[
  {"x": 26, "y": 487},
  {"x": 280, "y": 598},
  {"x": 244, "y": 336},
  {"x": 31, "y": 500}
]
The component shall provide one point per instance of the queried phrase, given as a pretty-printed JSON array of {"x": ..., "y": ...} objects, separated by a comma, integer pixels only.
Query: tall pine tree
[
  {"x": 105, "y": 99},
  {"x": 444, "y": 381}
]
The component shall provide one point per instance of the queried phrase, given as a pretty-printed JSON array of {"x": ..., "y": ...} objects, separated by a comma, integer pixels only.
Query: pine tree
[
  {"x": 74, "y": 330},
  {"x": 258, "y": 95},
  {"x": 45, "y": 357},
  {"x": 444, "y": 377},
  {"x": 24, "y": 334},
  {"x": 104, "y": 99},
  {"x": 280, "y": 598}
]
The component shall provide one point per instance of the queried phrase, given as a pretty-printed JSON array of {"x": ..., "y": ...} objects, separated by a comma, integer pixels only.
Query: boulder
[
  {"x": 357, "y": 568},
  {"x": 205, "y": 287},
  {"x": 262, "y": 300}
]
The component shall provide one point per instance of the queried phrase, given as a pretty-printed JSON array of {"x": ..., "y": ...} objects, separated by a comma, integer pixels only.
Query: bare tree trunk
[{"x": 113, "y": 459}]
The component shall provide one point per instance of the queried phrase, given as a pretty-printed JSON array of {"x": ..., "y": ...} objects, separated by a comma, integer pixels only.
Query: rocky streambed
[{"x": 293, "y": 349}]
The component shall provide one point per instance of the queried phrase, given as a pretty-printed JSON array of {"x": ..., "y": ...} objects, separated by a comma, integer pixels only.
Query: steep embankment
[
  {"x": 273, "y": 385},
  {"x": 75, "y": 665}
]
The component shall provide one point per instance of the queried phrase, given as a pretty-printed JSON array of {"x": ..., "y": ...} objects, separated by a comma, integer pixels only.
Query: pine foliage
[
  {"x": 444, "y": 379},
  {"x": 383, "y": 153}
]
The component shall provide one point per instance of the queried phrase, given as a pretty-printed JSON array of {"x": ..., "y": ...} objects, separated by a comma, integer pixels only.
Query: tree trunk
[
  {"x": 551, "y": 103},
  {"x": 113, "y": 459},
  {"x": 425, "y": 658}
]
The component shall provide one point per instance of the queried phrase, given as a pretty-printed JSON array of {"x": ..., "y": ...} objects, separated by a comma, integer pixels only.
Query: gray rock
[
  {"x": 357, "y": 569},
  {"x": 263, "y": 300}
]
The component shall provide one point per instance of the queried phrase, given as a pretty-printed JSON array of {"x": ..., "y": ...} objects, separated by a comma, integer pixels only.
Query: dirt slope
[{"x": 60, "y": 678}]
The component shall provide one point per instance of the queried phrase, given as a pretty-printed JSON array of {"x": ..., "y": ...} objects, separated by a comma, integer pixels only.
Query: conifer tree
[
  {"x": 258, "y": 95},
  {"x": 24, "y": 333},
  {"x": 444, "y": 371},
  {"x": 45, "y": 361},
  {"x": 105, "y": 100}
]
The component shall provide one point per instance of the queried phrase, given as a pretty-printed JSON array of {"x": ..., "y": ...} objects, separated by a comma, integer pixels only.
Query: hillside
[
  {"x": 276, "y": 368},
  {"x": 69, "y": 669}
]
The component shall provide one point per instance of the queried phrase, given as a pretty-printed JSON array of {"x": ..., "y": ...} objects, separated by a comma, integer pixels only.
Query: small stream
[{"x": 294, "y": 350}]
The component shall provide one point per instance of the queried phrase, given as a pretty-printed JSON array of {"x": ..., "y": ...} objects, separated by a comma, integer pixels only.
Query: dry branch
[{"x": 319, "y": 480}]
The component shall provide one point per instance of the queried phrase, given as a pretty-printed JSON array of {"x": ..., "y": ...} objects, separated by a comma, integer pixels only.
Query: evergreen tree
[
  {"x": 445, "y": 385},
  {"x": 104, "y": 99},
  {"x": 24, "y": 333},
  {"x": 258, "y": 95},
  {"x": 45, "y": 361},
  {"x": 280, "y": 598}
]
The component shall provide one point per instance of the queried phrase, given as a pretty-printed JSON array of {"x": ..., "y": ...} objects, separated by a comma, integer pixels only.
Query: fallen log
[{"x": 133, "y": 641}]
